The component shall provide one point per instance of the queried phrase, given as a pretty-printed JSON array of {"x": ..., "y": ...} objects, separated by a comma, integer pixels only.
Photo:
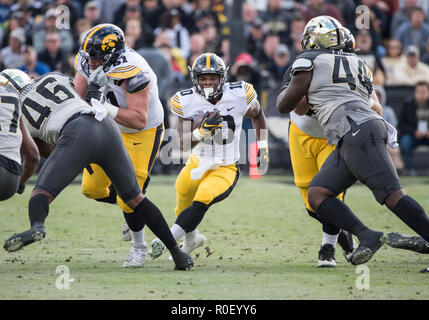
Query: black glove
[
  {"x": 93, "y": 91},
  {"x": 21, "y": 189},
  {"x": 367, "y": 83},
  {"x": 209, "y": 123}
]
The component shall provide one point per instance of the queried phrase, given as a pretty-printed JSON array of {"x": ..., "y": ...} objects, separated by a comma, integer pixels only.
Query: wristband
[
  {"x": 197, "y": 134},
  {"x": 112, "y": 111},
  {"x": 262, "y": 144}
]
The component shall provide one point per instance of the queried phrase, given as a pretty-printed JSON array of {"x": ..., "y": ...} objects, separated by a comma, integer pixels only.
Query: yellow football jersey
[{"x": 128, "y": 65}]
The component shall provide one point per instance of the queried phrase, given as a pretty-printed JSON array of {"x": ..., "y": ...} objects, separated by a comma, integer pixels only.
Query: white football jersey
[
  {"x": 128, "y": 65},
  {"x": 223, "y": 147},
  {"x": 48, "y": 103},
  {"x": 10, "y": 133}
]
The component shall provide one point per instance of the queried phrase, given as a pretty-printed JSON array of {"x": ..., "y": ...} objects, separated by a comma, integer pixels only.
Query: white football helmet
[{"x": 14, "y": 78}]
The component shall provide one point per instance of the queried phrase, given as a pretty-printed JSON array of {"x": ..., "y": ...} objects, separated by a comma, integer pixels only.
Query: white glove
[
  {"x": 98, "y": 77},
  {"x": 103, "y": 109}
]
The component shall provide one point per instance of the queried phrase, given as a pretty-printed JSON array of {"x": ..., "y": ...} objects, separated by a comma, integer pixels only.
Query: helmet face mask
[
  {"x": 203, "y": 72},
  {"x": 102, "y": 45},
  {"x": 323, "y": 32}
]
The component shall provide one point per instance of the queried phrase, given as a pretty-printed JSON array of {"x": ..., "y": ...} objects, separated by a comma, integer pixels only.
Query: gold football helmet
[
  {"x": 14, "y": 78},
  {"x": 323, "y": 32}
]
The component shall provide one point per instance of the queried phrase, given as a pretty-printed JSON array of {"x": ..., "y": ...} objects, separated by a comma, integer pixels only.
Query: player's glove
[
  {"x": 21, "y": 189},
  {"x": 210, "y": 123},
  {"x": 367, "y": 83},
  {"x": 263, "y": 157},
  {"x": 97, "y": 80}
]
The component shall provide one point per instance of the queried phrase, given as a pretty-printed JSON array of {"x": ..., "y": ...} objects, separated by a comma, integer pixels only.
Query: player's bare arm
[
  {"x": 303, "y": 107},
  {"x": 135, "y": 116},
  {"x": 30, "y": 152},
  {"x": 80, "y": 85},
  {"x": 256, "y": 114},
  {"x": 376, "y": 106},
  {"x": 298, "y": 87}
]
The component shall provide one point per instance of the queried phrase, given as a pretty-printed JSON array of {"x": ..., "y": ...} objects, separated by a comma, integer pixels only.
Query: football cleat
[
  {"x": 189, "y": 246},
  {"x": 369, "y": 244},
  {"x": 18, "y": 241},
  {"x": 347, "y": 243},
  {"x": 157, "y": 248},
  {"x": 412, "y": 243},
  {"x": 327, "y": 256},
  {"x": 126, "y": 234},
  {"x": 136, "y": 257},
  {"x": 182, "y": 260}
]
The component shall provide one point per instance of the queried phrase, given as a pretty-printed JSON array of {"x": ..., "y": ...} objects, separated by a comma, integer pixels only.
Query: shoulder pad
[
  {"x": 180, "y": 100},
  {"x": 137, "y": 83},
  {"x": 250, "y": 92},
  {"x": 302, "y": 64}
]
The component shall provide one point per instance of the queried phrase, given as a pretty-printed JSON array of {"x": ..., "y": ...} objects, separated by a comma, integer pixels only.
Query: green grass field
[{"x": 261, "y": 245}]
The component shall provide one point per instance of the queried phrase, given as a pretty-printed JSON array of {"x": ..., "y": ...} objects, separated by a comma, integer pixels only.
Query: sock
[
  {"x": 134, "y": 221},
  {"x": 327, "y": 227},
  {"x": 137, "y": 238},
  {"x": 150, "y": 215},
  {"x": 329, "y": 239},
  {"x": 38, "y": 209},
  {"x": 191, "y": 235},
  {"x": 111, "y": 198},
  {"x": 409, "y": 211},
  {"x": 177, "y": 231},
  {"x": 339, "y": 214},
  {"x": 191, "y": 217}
]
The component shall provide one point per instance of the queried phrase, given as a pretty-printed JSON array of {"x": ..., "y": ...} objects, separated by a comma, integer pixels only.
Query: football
[{"x": 197, "y": 120}]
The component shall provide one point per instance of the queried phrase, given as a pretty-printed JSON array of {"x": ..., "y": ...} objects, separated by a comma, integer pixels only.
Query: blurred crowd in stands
[{"x": 35, "y": 37}]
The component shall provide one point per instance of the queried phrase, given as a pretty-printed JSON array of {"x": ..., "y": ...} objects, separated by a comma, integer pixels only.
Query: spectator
[
  {"x": 226, "y": 52},
  {"x": 277, "y": 20},
  {"x": 245, "y": 69},
  {"x": 364, "y": 46},
  {"x": 296, "y": 46},
  {"x": 425, "y": 56},
  {"x": 270, "y": 44},
  {"x": 81, "y": 27},
  {"x": 151, "y": 12},
  {"x": 52, "y": 55},
  {"x": 347, "y": 9},
  {"x": 249, "y": 15},
  {"x": 50, "y": 26},
  {"x": 91, "y": 12},
  {"x": 179, "y": 35},
  {"x": 133, "y": 29},
  {"x": 378, "y": 23},
  {"x": 108, "y": 8},
  {"x": 197, "y": 44},
  {"x": 393, "y": 59},
  {"x": 280, "y": 63},
  {"x": 118, "y": 17},
  {"x": 202, "y": 15},
  {"x": 390, "y": 116},
  {"x": 5, "y": 9},
  {"x": 210, "y": 35},
  {"x": 413, "y": 32},
  {"x": 413, "y": 124},
  {"x": 12, "y": 54},
  {"x": 32, "y": 66},
  {"x": 320, "y": 8},
  {"x": 411, "y": 70},
  {"x": 402, "y": 15},
  {"x": 255, "y": 40},
  {"x": 15, "y": 21}
]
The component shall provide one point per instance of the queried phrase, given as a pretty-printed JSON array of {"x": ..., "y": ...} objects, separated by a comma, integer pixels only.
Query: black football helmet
[
  {"x": 105, "y": 41},
  {"x": 209, "y": 63}
]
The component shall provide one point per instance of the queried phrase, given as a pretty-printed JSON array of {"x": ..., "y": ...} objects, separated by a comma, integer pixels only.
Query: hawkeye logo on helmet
[{"x": 109, "y": 42}]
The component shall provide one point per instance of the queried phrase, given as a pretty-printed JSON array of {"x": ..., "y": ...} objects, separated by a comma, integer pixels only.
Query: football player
[
  {"x": 343, "y": 107},
  {"x": 210, "y": 116},
  {"x": 56, "y": 115},
  {"x": 309, "y": 149},
  {"x": 14, "y": 140},
  {"x": 131, "y": 98}
]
